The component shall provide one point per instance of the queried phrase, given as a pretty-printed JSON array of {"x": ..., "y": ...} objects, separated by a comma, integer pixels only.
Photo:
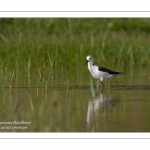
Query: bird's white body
[{"x": 98, "y": 74}]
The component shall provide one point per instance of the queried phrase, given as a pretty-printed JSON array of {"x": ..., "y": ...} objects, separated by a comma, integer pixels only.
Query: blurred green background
[{"x": 120, "y": 42}]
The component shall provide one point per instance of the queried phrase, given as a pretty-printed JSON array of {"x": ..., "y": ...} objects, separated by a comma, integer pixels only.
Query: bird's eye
[{"x": 90, "y": 58}]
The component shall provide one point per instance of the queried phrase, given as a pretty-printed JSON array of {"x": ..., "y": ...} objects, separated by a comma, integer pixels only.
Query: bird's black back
[{"x": 108, "y": 71}]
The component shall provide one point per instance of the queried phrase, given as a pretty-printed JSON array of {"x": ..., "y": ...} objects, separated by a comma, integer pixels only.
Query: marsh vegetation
[{"x": 43, "y": 79}]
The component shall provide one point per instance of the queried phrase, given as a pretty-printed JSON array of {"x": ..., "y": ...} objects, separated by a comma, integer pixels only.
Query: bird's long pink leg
[
  {"x": 102, "y": 84},
  {"x": 101, "y": 87}
]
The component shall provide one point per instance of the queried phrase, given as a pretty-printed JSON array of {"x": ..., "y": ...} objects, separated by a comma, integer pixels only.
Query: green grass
[
  {"x": 35, "y": 48},
  {"x": 119, "y": 41}
]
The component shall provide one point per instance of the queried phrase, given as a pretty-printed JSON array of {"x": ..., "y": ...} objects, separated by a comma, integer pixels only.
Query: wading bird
[{"x": 100, "y": 73}]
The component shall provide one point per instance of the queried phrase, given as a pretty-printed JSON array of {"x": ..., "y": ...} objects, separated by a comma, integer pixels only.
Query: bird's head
[{"x": 88, "y": 59}]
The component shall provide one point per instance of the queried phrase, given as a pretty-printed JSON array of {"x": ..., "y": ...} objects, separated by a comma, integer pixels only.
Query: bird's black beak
[{"x": 85, "y": 62}]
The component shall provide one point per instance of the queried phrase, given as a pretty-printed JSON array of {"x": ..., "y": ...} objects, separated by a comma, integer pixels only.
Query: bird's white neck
[{"x": 90, "y": 64}]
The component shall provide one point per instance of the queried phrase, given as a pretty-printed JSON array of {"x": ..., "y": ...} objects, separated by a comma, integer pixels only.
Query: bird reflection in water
[{"x": 97, "y": 104}]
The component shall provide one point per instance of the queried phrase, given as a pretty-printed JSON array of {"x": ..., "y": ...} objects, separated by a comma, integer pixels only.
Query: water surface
[{"x": 68, "y": 105}]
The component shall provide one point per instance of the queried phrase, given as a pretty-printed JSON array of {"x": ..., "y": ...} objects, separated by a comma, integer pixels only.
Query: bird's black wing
[{"x": 107, "y": 70}]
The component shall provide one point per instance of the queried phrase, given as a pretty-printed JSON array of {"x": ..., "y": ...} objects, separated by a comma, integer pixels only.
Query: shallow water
[{"x": 70, "y": 106}]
